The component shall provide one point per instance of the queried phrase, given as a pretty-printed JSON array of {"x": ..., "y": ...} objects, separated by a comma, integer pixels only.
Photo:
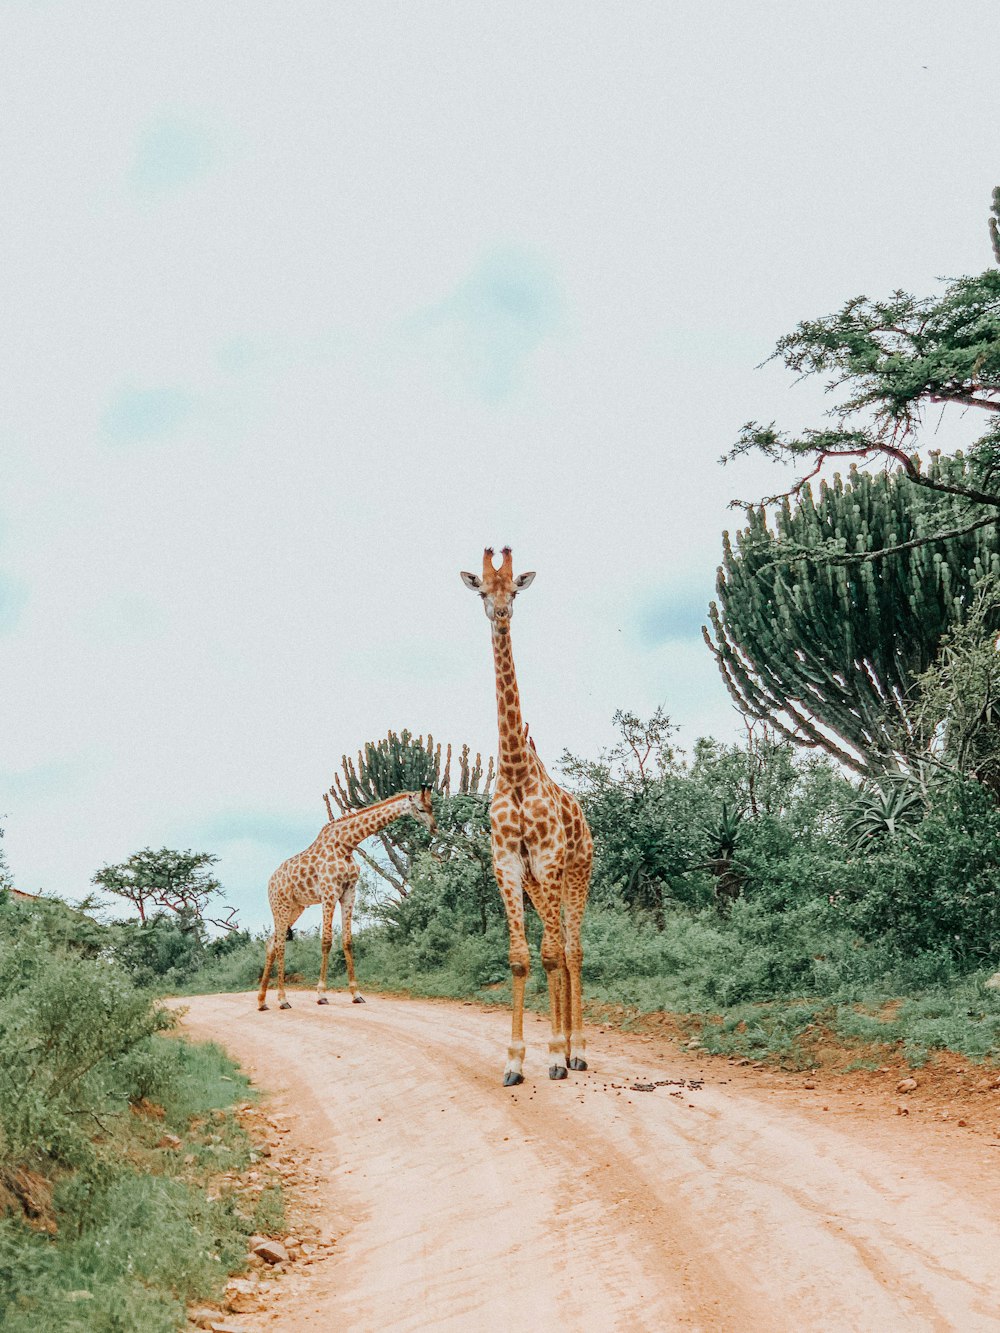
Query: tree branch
[
  {"x": 826, "y": 556},
  {"x": 370, "y": 861}
]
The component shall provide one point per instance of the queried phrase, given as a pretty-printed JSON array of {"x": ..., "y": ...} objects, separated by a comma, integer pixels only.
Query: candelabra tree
[
  {"x": 402, "y": 762},
  {"x": 828, "y": 651}
]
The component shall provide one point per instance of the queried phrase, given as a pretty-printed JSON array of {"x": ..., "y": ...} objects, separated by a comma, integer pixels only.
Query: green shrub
[{"x": 936, "y": 887}]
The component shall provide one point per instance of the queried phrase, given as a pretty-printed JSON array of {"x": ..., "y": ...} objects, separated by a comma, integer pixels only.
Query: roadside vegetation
[
  {"x": 834, "y": 936},
  {"x": 112, "y": 1131}
]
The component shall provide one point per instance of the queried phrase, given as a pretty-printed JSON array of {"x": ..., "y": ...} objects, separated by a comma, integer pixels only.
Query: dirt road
[{"x": 747, "y": 1203}]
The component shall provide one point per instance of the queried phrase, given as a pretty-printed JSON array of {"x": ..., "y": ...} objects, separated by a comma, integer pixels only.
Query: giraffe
[
  {"x": 325, "y": 873},
  {"x": 541, "y": 846}
]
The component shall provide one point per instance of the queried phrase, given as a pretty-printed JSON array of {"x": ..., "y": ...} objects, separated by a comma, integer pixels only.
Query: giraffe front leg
[
  {"x": 508, "y": 877},
  {"x": 326, "y": 940},
  {"x": 266, "y": 974},
  {"x": 346, "y": 911},
  {"x": 280, "y": 935}
]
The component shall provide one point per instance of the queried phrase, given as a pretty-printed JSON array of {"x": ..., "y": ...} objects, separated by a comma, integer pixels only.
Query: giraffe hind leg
[{"x": 577, "y": 883}]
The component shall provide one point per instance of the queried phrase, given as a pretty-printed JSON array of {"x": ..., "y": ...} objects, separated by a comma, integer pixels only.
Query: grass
[{"x": 139, "y": 1238}]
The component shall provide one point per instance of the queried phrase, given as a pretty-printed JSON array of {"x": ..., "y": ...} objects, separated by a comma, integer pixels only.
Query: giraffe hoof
[
  {"x": 322, "y": 1000},
  {"x": 557, "y": 1071},
  {"x": 284, "y": 1005},
  {"x": 358, "y": 999},
  {"x": 512, "y": 1079},
  {"x": 577, "y": 1063},
  {"x": 262, "y": 1008}
]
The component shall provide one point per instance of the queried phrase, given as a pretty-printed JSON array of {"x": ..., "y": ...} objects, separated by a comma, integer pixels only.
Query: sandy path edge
[{"x": 749, "y": 1202}]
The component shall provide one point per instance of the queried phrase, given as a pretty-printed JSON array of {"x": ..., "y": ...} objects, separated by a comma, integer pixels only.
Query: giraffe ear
[
  {"x": 524, "y": 580},
  {"x": 471, "y": 580}
]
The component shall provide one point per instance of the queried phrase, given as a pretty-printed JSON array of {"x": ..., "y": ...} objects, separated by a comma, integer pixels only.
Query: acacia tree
[
  {"x": 167, "y": 880},
  {"x": 891, "y": 362}
]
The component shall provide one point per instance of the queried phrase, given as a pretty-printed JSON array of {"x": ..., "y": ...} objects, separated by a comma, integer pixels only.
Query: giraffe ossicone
[
  {"x": 542, "y": 846},
  {"x": 325, "y": 873}
]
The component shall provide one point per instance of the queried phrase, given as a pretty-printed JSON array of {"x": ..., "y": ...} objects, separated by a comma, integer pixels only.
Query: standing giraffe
[
  {"x": 325, "y": 873},
  {"x": 541, "y": 845}
]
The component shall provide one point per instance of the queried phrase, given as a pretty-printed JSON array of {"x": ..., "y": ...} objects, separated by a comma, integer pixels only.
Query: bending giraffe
[
  {"x": 541, "y": 846},
  {"x": 325, "y": 873}
]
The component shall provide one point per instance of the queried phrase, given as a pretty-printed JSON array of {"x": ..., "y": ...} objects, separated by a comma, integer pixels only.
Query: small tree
[
  {"x": 168, "y": 881},
  {"x": 644, "y": 815}
]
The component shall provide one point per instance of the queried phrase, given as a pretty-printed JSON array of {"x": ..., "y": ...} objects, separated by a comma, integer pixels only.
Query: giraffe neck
[
  {"x": 512, "y": 751},
  {"x": 363, "y": 823}
]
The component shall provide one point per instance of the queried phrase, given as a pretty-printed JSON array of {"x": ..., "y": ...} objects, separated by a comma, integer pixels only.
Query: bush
[
  {"x": 935, "y": 888},
  {"x": 118, "y": 1240}
]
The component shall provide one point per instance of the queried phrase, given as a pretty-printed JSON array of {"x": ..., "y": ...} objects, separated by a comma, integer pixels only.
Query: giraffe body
[
  {"x": 542, "y": 847},
  {"x": 325, "y": 873}
]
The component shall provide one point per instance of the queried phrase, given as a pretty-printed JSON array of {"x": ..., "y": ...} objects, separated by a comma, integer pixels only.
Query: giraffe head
[
  {"x": 420, "y": 808},
  {"x": 498, "y": 588}
]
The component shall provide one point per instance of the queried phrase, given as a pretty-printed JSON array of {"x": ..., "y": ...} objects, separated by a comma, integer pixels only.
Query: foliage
[
  {"x": 893, "y": 359},
  {"x": 402, "y": 763},
  {"x": 829, "y": 654},
  {"x": 881, "y": 812},
  {"x": 757, "y": 776},
  {"x": 398, "y": 763},
  {"x": 5, "y": 879},
  {"x": 101, "y": 1228},
  {"x": 958, "y": 701},
  {"x": 172, "y": 881},
  {"x": 933, "y": 887}
]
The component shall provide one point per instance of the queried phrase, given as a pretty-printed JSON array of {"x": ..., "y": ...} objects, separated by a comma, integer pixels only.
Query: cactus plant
[
  {"x": 402, "y": 762},
  {"x": 828, "y": 653}
]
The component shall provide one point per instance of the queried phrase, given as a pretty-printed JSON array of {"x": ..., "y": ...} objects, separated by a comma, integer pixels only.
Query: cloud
[
  {"x": 675, "y": 614},
  {"x": 285, "y": 833},
  {"x": 489, "y": 326},
  {"x": 13, "y": 596},
  {"x": 137, "y": 415},
  {"x": 170, "y": 153},
  {"x": 27, "y": 785}
]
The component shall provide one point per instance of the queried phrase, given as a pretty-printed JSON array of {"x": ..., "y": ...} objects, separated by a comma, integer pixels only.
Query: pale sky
[{"x": 306, "y": 303}]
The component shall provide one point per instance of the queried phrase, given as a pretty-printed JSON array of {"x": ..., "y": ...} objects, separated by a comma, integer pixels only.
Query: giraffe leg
[
  {"x": 577, "y": 881},
  {"x": 268, "y": 964},
  {"x": 346, "y": 910},
  {"x": 553, "y": 960},
  {"x": 509, "y": 875},
  {"x": 280, "y": 935},
  {"x": 567, "y": 990},
  {"x": 326, "y": 939}
]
